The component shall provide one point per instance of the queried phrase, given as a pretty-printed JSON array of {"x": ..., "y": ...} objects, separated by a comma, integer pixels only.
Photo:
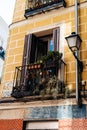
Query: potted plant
[{"x": 51, "y": 56}]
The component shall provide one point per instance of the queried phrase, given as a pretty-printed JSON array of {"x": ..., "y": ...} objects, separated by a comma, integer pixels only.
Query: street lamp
[{"x": 74, "y": 43}]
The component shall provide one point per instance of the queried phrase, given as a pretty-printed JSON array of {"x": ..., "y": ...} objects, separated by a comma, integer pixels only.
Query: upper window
[
  {"x": 37, "y": 46},
  {"x": 37, "y": 6}
]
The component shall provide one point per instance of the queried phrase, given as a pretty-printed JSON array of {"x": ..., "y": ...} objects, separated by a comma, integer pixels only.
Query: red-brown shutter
[
  {"x": 33, "y": 49},
  {"x": 56, "y": 38},
  {"x": 27, "y": 49},
  {"x": 56, "y": 41},
  {"x": 26, "y": 59}
]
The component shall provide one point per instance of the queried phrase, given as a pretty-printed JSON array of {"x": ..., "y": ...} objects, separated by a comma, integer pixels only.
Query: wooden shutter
[
  {"x": 26, "y": 59},
  {"x": 33, "y": 49},
  {"x": 56, "y": 38},
  {"x": 27, "y": 49},
  {"x": 56, "y": 41}
]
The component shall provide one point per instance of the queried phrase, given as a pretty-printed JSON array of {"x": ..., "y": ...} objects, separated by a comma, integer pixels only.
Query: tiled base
[
  {"x": 15, "y": 124},
  {"x": 73, "y": 124},
  {"x": 66, "y": 124}
]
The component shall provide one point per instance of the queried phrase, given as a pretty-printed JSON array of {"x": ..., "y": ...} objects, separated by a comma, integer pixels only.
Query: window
[
  {"x": 51, "y": 45},
  {"x": 41, "y": 125},
  {"x": 36, "y": 46}
]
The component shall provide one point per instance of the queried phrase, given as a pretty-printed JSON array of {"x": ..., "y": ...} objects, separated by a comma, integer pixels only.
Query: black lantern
[{"x": 74, "y": 41}]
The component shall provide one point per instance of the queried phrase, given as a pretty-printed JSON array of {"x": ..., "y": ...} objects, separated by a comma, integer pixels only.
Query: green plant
[{"x": 54, "y": 55}]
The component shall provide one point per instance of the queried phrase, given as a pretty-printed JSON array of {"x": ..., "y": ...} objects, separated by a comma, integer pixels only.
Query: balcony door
[{"x": 37, "y": 46}]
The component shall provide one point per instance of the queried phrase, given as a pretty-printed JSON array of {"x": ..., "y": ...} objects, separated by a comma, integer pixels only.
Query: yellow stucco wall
[{"x": 21, "y": 26}]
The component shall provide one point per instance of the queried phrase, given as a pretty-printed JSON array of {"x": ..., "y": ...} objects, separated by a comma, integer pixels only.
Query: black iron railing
[
  {"x": 43, "y": 80},
  {"x": 37, "y": 6}
]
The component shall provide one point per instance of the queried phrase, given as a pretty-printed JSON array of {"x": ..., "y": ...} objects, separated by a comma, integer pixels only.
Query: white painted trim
[{"x": 62, "y": 38}]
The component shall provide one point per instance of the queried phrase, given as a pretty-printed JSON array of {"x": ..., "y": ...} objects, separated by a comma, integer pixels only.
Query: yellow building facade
[{"x": 61, "y": 113}]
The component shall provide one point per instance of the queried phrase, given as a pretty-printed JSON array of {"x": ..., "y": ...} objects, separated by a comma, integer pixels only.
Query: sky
[{"x": 6, "y": 10}]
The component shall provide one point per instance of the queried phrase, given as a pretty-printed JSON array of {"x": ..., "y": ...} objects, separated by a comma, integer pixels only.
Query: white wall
[{"x": 4, "y": 30}]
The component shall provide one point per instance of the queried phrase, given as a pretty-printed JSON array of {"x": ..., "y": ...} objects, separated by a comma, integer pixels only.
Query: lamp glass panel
[{"x": 71, "y": 41}]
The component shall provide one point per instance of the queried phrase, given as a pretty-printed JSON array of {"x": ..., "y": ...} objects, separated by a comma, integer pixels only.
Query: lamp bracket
[{"x": 80, "y": 63}]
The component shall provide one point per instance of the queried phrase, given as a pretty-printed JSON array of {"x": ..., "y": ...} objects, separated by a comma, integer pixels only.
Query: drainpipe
[
  {"x": 76, "y": 16},
  {"x": 77, "y": 70}
]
